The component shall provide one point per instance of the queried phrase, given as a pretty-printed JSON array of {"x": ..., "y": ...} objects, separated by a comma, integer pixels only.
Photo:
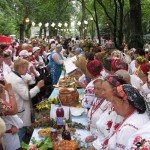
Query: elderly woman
[
  {"x": 13, "y": 122},
  {"x": 4, "y": 68},
  {"x": 129, "y": 104},
  {"x": 36, "y": 59},
  {"x": 94, "y": 68},
  {"x": 22, "y": 93},
  {"x": 55, "y": 64},
  {"x": 7, "y": 55},
  {"x": 144, "y": 74},
  {"x": 99, "y": 106},
  {"x": 109, "y": 120},
  {"x": 77, "y": 52},
  {"x": 32, "y": 73}
]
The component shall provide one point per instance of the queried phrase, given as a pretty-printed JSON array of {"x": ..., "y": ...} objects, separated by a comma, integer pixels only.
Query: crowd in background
[{"x": 116, "y": 86}]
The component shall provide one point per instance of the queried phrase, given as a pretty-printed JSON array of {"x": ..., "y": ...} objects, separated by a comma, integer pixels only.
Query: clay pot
[{"x": 69, "y": 96}]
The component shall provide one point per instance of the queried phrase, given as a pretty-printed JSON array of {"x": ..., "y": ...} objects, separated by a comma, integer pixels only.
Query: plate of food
[
  {"x": 45, "y": 132},
  {"x": 76, "y": 111}
]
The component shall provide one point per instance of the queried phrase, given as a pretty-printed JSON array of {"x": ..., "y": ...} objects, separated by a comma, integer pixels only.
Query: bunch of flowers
[
  {"x": 45, "y": 104},
  {"x": 42, "y": 113},
  {"x": 43, "y": 120},
  {"x": 87, "y": 44}
]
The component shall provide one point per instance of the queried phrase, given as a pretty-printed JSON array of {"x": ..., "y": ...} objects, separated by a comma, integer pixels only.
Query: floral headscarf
[
  {"x": 127, "y": 92},
  {"x": 118, "y": 64},
  {"x": 141, "y": 59},
  {"x": 107, "y": 63},
  {"x": 145, "y": 68},
  {"x": 116, "y": 80},
  {"x": 94, "y": 67}
]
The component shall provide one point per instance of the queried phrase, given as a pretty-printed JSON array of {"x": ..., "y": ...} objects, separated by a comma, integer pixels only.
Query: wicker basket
[{"x": 69, "y": 96}]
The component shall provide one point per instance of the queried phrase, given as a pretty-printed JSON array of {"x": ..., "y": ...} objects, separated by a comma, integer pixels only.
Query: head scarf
[
  {"x": 79, "y": 50},
  {"x": 118, "y": 64},
  {"x": 94, "y": 67},
  {"x": 116, "y": 80},
  {"x": 145, "y": 68},
  {"x": 141, "y": 59},
  {"x": 107, "y": 63},
  {"x": 127, "y": 92}
]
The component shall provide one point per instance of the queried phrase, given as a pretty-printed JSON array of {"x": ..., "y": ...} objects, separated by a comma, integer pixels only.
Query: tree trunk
[
  {"x": 136, "y": 34},
  {"x": 96, "y": 22},
  {"x": 45, "y": 31},
  {"x": 115, "y": 24},
  {"x": 40, "y": 33},
  {"x": 21, "y": 28},
  {"x": 82, "y": 30},
  {"x": 120, "y": 32}
]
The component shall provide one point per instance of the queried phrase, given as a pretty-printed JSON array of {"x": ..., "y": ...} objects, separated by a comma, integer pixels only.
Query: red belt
[{"x": 8, "y": 131}]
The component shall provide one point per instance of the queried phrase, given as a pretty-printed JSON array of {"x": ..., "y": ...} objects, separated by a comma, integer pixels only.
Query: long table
[{"x": 80, "y": 133}]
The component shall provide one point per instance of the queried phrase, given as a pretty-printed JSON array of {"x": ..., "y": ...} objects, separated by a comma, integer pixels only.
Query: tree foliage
[{"x": 115, "y": 14}]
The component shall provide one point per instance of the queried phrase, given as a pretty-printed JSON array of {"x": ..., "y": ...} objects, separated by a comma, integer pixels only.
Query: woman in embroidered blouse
[
  {"x": 129, "y": 104},
  {"x": 94, "y": 67},
  {"x": 98, "y": 107},
  {"x": 109, "y": 120},
  {"x": 36, "y": 59}
]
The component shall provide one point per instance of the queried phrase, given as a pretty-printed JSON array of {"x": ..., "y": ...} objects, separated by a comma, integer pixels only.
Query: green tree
[{"x": 136, "y": 33}]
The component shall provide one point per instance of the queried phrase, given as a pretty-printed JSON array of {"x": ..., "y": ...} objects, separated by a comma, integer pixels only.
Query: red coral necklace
[{"x": 95, "y": 107}]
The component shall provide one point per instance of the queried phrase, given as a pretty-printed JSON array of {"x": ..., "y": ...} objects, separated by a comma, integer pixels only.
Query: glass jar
[{"x": 53, "y": 135}]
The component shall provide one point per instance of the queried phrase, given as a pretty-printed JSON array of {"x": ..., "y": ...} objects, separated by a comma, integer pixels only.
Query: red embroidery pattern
[
  {"x": 120, "y": 145},
  {"x": 109, "y": 124},
  {"x": 131, "y": 126},
  {"x": 140, "y": 144},
  {"x": 89, "y": 91},
  {"x": 116, "y": 125},
  {"x": 105, "y": 143}
]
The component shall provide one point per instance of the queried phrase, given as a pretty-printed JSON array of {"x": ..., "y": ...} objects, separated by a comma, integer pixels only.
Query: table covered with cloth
[{"x": 80, "y": 134}]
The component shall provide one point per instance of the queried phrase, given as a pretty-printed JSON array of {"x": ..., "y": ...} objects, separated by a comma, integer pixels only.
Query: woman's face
[
  {"x": 23, "y": 70},
  {"x": 107, "y": 91},
  {"x": 98, "y": 89},
  {"x": 7, "y": 60},
  {"x": 37, "y": 53},
  {"x": 118, "y": 105}
]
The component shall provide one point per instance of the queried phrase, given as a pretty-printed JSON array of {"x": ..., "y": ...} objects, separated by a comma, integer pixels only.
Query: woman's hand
[
  {"x": 92, "y": 148},
  {"x": 40, "y": 84},
  {"x": 81, "y": 84},
  {"x": 1, "y": 89},
  {"x": 89, "y": 139},
  {"x": 8, "y": 88},
  {"x": 14, "y": 129}
]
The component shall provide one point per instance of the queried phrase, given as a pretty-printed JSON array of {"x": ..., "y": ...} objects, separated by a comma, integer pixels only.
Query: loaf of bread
[{"x": 65, "y": 145}]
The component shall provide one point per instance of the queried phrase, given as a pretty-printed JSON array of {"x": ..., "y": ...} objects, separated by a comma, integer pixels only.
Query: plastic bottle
[{"x": 59, "y": 117}]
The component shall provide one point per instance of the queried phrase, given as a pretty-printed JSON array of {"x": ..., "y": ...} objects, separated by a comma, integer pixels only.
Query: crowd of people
[{"x": 116, "y": 90}]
